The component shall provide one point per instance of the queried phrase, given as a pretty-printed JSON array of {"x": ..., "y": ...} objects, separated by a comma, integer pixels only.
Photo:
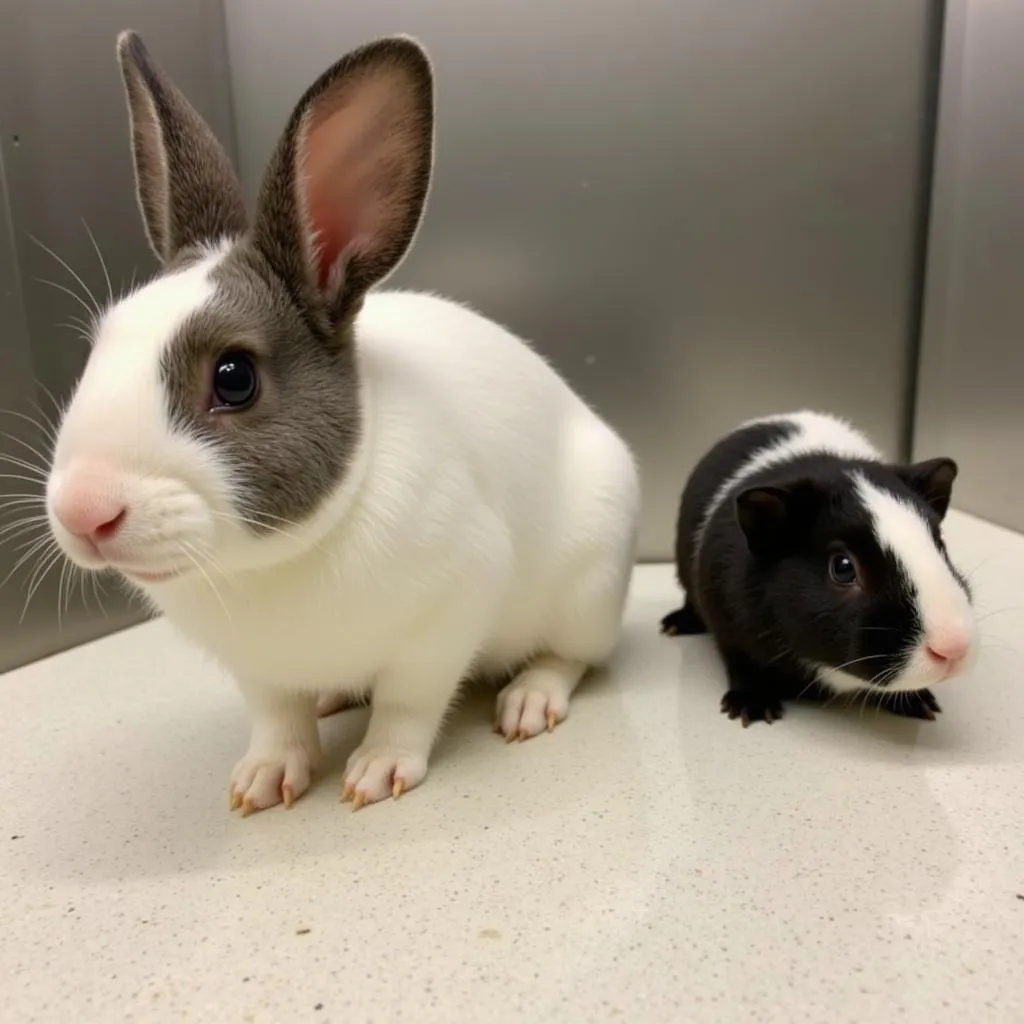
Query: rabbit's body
[
  {"x": 508, "y": 535},
  {"x": 329, "y": 488}
]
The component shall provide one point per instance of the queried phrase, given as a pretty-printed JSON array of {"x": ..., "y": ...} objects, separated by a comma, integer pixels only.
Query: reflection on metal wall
[
  {"x": 66, "y": 163},
  {"x": 700, "y": 211},
  {"x": 972, "y": 358}
]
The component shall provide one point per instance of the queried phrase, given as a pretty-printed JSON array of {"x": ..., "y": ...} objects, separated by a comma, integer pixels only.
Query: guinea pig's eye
[
  {"x": 841, "y": 569},
  {"x": 235, "y": 382}
]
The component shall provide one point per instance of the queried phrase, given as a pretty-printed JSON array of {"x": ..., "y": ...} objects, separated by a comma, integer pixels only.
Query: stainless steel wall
[
  {"x": 66, "y": 162},
  {"x": 700, "y": 211},
  {"x": 972, "y": 357}
]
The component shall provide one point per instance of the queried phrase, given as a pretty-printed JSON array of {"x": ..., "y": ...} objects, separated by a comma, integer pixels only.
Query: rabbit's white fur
[
  {"x": 488, "y": 519},
  {"x": 482, "y": 517}
]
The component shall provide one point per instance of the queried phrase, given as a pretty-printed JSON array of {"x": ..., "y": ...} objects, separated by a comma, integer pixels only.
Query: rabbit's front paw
[
  {"x": 537, "y": 699},
  {"x": 263, "y": 779},
  {"x": 376, "y": 772}
]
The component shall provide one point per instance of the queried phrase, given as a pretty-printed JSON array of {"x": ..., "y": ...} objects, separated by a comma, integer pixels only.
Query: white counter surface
[{"x": 648, "y": 861}]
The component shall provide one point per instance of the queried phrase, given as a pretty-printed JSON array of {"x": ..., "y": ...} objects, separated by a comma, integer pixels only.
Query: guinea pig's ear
[
  {"x": 344, "y": 191},
  {"x": 932, "y": 480},
  {"x": 771, "y": 515},
  {"x": 763, "y": 514},
  {"x": 187, "y": 188}
]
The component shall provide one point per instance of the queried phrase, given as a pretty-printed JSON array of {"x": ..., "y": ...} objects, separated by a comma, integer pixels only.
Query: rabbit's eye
[{"x": 235, "y": 382}]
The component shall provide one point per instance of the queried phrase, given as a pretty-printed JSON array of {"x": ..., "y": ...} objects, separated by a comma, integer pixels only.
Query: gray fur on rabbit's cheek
[{"x": 291, "y": 449}]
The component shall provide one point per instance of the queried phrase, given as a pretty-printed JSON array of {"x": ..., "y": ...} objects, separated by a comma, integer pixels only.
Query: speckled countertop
[{"x": 649, "y": 861}]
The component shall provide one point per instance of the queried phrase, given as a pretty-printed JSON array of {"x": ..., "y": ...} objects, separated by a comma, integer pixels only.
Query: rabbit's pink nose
[
  {"x": 86, "y": 506},
  {"x": 948, "y": 648}
]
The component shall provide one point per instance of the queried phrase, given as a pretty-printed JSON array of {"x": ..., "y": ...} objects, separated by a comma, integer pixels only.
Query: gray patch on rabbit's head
[
  {"x": 340, "y": 203},
  {"x": 290, "y": 450}
]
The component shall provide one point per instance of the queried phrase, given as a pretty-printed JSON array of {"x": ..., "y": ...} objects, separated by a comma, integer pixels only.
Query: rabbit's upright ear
[
  {"x": 344, "y": 191},
  {"x": 187, "y": 188}
]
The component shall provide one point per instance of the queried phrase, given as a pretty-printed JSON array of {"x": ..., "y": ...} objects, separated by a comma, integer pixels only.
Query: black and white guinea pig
[{"x": 820, "y": 569}]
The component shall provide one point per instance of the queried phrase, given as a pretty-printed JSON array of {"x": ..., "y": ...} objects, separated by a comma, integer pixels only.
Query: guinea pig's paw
[
  {"x": 264, "y": 779},
  {"x": 752, "y": 706},
  {"x": 537, "y": 699},
  {"x": 683, "y": 622},
  {"x": 918, "y": 704},
  {"x": 377, "y": 772}
]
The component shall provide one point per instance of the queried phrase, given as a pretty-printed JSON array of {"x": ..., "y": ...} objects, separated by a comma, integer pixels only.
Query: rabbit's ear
[
  {"x": 187, "y": 188},
  {"x": 344, "y": 191}
]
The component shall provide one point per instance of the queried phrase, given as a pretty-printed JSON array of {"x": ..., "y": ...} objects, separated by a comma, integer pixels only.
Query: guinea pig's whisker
[
  {"x": 810, "y": 685},
  {"x": 824, "y": 613},
  {"x": 998, "y": 611},
  {"x": 863, "y": 703},
  {"x": 990, "y": 643},
  {"x": 971, "y": 573},
  {"x": 857, "y": 661}
]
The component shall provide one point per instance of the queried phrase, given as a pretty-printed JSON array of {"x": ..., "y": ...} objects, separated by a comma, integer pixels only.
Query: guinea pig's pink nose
[
  {"x": 948, "y": 648},
  {"x": 87, "y": 505}
]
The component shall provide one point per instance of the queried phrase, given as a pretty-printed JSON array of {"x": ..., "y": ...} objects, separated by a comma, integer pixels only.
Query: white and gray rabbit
[{"x": 332, "y": 489}]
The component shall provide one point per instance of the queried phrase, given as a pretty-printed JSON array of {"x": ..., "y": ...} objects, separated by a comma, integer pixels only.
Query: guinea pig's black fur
[{"x": 788, "y": 548}]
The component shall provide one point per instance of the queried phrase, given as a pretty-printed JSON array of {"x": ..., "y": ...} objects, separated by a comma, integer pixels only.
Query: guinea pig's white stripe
[
  {"x": 816, "y": 433},
  {"x": 900, "y": 528},
  {"x": 838, "y": 680}
]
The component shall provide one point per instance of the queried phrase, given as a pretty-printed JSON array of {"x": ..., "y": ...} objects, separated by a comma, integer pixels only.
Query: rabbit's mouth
[{"x": 152, "y": 578}]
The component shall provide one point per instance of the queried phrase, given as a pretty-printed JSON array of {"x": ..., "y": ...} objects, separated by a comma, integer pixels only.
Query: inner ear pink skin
[
  {"x": 351, "y": 159},
  {"x": 330, "y": 185},
  {"x": 331, "y": 237}
]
